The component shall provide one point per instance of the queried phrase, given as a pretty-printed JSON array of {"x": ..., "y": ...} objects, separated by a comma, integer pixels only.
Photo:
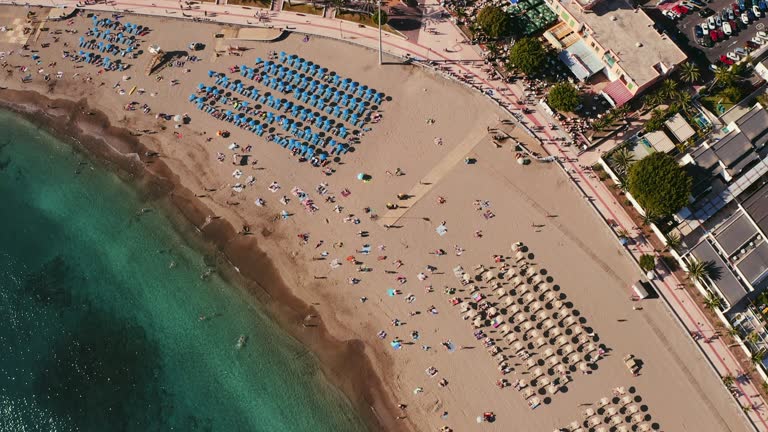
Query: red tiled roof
[{"x": 618, "y": 92}]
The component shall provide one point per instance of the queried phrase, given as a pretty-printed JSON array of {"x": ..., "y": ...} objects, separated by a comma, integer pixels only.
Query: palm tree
[
  {"x": 713, "y": 302},
  {"x": 674, "y": 241},
  {"x": 689, "y": 72},
  {"x": 724, "y": 76},
  {"x": 700, "y": 271},
  {"x": 649, "y": 218},
  {"x": 652, "y": 100},
  {"x": 668, "y": 89},
  {"x": 623, "y": 158},
  {"x": 728, "y": 380},
  {"x": 757, "y": 358},
  {"x": 683, "y": 101},
  {"x": 746, "y": 409},
  {"x": 753, "y": 337}
]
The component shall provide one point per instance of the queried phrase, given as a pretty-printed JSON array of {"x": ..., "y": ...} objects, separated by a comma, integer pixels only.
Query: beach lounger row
[
  {"x": 355, "y": 111},
  {"x": 303, "y": 80},
  {"x": 311, "y": 148},
  {"x": 297, "y": 111},
  {"x": 99, "y": 60},
  {"x": 118, "y": 38},
  {"x": 108, "y": 23},
  {"x": 314, "y": 70},
  {"x": 107, "y": 48}
]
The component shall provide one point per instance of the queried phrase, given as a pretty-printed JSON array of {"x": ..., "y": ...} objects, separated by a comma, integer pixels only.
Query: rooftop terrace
[{"x": 620, "y": 28}]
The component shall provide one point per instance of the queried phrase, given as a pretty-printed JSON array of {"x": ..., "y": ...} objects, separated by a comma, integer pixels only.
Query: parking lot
[{"x": 715, "y": 50}]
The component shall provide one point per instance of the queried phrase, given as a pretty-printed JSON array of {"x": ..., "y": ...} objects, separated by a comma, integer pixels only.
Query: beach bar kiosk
[{"x": 638, "y": 291}]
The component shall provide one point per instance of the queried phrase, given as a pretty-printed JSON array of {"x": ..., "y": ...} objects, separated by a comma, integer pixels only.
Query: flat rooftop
[
  {"x": 733, "y": 236},
  {"x": 756, "y": 205},
  {"x": 729, "y": 286},
  {"x": 619, "y": 28}
]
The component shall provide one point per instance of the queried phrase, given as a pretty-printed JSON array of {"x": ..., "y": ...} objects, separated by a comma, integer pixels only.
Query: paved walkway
[{"x": 445, "y": 44}]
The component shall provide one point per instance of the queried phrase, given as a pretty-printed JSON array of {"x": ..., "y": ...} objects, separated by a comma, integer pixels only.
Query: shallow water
[{"x": 100, "y": 312}]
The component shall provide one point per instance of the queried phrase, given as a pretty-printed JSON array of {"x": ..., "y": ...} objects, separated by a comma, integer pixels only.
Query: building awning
[
  {"x": 581, "y": 60},
  {"x": 679, "y": 128},
  {"x": 617, "y": 93}
]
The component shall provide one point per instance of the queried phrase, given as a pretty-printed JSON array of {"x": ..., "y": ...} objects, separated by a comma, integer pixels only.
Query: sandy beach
[{"x": 434, "y": 145}]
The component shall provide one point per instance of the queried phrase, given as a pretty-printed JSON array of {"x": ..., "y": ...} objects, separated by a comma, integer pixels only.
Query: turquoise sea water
[{"x": 99, "y": 333}]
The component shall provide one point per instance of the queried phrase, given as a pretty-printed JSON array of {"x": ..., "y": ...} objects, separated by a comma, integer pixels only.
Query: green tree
[
  {"x": 713, "y": 302},
  {"x": 528, "y": 55},
  {"x": 652, "y": 100},
  {"x": 728, "y": 380},
  {"x": 700, "y": 271},
  {"x": 689, "y": 72},
  {"x": 375, "y": 18},
  {"x": 682, "y": 101},
  {"x": 494, "y": 22},
  {"x": 674, "y": 241},
  {"x": 733, "y": 92},
  {"x": 647, "y": 262},
  {"x": 656, "y": 122},
  {"x": 724, "y": 77},
  {"x": 668, "y": 89},
  {"x": 659, "y": 184},
  {"x": 622, "y": 159},
  {"x": 564, "y": 97},
  {"x": 757, "y": 358}
]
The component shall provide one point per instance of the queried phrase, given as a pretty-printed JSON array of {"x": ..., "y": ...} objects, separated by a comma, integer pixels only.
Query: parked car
[
  {"x": 745, "y": 18},
  {"x": 720, "y": 34},
  {"x": 735, "y": 8},
  {"x": 731, "y": 15},
  {"x": 711, "y": 23},
  {"x": 763, "y": 6},
  {"x": 698, "y": 32},
  {"x": 751, "y": 15},
  {"x": 727, "y": 29},
  {"x": 725, "y": 60},
  {"x": 713, "y": 35},
  {"x": 762, "y": 34},
  {"x": 706, "y": 12},
  {"x": 669, "y": 14},
  {"x": 751, "y": 45},
  {"x": 756, "y": 11},
  {"x": 733, "y": 56},
  {"x": 734, "y": 26},
  {"x": 689, "y": 5},
  {"x": 742, "y": 5},
  {"x": 699, "y": 3},
  {"x": 718, "y": 21},
  {"x": 757, "y": 40},
  {"x": 741, "y": 52}
]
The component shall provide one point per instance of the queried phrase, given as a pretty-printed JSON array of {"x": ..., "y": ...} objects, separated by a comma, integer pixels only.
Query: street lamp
[{"x": 381, "y": 55}]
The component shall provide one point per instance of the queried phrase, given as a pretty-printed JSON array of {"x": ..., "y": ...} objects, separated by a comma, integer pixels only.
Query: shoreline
[{"x": 247, "y": 264}]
